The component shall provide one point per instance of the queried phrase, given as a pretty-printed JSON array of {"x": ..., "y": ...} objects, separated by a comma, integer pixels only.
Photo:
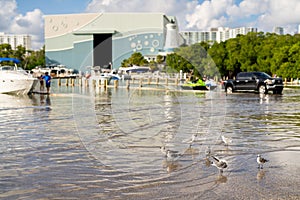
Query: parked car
[{"x": 254, "y": 81}]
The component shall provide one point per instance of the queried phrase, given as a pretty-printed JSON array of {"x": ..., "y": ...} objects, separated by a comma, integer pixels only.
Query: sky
[{"x": 26, "y": 16}]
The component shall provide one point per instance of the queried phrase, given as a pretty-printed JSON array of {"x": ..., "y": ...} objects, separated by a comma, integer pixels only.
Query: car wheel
[
  {"x": 277, "y": 92},
  {"x": 229, "y": 89},
  {"x": 262, "y": 89}
]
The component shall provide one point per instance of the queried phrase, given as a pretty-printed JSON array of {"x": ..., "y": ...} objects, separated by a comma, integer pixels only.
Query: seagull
[
  {"x": 226, "y": 140},
  {"x": 208, "y": 151},
  {"x": 219, "y": 163},
  {"x": 261, "y": 161},
  {"x": 172, "y": 155},
  {"x": 164, "y": 150}
]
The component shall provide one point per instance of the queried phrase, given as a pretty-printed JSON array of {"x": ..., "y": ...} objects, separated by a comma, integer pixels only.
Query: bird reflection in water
[
  {"x": 207, "y": 162},
  {"x": 221, "y": 179},
  {"x": 171, "y": 166},
  {"x": 193, "y": 152},
  {"x": 261, "y": 174}
]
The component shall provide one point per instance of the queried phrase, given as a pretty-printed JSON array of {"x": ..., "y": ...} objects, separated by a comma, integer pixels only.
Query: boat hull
[{"x": 14, "y": 83}]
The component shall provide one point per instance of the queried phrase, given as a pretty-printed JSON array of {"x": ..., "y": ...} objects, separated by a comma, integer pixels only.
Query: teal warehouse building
[{"x": 85, "y": 40}]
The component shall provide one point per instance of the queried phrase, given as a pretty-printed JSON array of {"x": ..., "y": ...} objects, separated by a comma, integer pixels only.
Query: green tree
[
  {"x": 219, "y": 55},
  {"x": 6, "y": 51},
  {"x": 35, "y": 58},
  {"x": 29, "y": 59},
  {"x": 159, "y": 59},
  {"x": 232, "y": 62},
  {"x": 135, "y": 59}
]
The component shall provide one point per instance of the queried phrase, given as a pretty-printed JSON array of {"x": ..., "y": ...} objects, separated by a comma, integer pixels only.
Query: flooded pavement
[{"x": 105, "y": 144}]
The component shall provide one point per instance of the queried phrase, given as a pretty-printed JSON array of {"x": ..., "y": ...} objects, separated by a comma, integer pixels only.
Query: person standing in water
[
  {"x": 41, "y": 83},
  {"x": 47, "y": 79}
]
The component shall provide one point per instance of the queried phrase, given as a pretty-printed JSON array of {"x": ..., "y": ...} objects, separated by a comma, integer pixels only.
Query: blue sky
[
  {"x": 52, "y": 6},
  {"x": 26, "y": 16}
]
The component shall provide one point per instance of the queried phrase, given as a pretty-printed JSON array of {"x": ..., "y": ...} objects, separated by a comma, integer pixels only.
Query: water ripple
[{"x": 106, "y": 145}]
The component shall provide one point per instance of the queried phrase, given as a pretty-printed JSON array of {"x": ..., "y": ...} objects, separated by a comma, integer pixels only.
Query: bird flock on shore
[{"x": 220, "y": 163}]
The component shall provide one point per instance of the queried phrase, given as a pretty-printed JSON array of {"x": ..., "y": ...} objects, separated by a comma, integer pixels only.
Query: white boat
[
  {"x": 54, "y": 71},
  {"x": 134, "y": 69},
  {"x": 97, "y": 75},
  {"x": 15, "y": 80}
]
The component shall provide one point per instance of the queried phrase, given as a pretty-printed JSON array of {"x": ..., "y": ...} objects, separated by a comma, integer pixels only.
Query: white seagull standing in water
[
  {"x": 261, "y": 161},
  {"x": 164, "y": 150},
  {"x": 219, "y": 163},
  {"x": 226, "y": 140},
  {"x": 172, "y": 155},
  {"x": 208, "y": 152}
]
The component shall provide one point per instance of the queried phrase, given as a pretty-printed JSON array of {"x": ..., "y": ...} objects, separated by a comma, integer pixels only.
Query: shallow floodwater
[{"x": 86, "y": 143}]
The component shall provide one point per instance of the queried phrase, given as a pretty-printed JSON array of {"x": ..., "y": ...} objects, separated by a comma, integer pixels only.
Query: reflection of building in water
[{"x": 170, "y": 116}]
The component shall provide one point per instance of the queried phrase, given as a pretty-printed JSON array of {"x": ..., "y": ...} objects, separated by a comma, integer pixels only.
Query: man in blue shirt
[{"x": 47, "y": 79}]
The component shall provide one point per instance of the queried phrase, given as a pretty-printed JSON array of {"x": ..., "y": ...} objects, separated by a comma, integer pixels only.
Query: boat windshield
[{"x": 6, "y": 68}]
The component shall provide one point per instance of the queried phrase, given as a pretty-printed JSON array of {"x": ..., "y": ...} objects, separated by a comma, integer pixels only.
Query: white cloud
[
  {"x": 280, "y": 13},
  {"x": 262, "y": 14},
  {"x": 31, "y": 24},
  {"x": 7, "y": 13},
  {"x": 191, "y": 14},
  {"x": 13, "y": 23},
  {"x": 208, "y": 14},
  {"x": 178, "y": 8}
]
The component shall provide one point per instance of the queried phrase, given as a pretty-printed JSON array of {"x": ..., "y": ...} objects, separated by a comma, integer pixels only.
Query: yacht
[
  {"x": 98, "y": 74},
  {"x": 15, "y": 80}
]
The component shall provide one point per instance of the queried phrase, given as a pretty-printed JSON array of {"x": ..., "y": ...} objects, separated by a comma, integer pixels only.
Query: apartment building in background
[
  {"x": 278, "y": 30},
  {"x": 16, "y": 40},
  {"x": 220, "y": 34}
]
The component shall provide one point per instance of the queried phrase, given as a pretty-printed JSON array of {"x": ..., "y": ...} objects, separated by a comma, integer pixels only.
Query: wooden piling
[
  {"x": 127, "y": 84},
  {"x": 105, "y": 83},
  {"x": 116, "y": 83},
  {"x": 141, "y": 82},
  {"x": 285, "y": 81}
]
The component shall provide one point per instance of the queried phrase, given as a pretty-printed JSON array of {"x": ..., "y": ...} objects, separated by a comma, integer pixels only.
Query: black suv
[{"x": 254, "y": 81}]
